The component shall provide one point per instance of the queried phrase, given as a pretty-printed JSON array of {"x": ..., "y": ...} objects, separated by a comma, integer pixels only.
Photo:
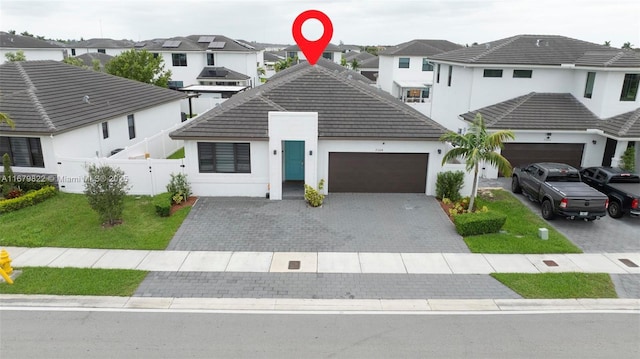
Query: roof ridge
[
  {"x": 614, "y": 58},
  {"x": 31, "y": 90},
  {"x": 630, "y": 122},
  {"x": 492, "y": 49},
  {"x": 523, "y": 99}
]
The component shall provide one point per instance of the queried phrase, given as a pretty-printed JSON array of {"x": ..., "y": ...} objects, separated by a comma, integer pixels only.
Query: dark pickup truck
[
  {"x": 622, "y": 188},
  {"x": 560, "y": 191}
]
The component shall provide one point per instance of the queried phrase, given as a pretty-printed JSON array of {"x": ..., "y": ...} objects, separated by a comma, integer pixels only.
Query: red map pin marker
[{"x": 312, "y": 49}]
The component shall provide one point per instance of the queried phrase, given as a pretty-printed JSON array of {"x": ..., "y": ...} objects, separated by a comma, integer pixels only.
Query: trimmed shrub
[
  {"x": 313, "y": 196},
  {"x": 628, "y": 159},
  {"x": 27, "y": 200},
  {"x": 179, "y": 188},
  {"x": 449, "y": 184},
  {"x": 162, "y": 203},
  {"x": 106, "y": 188},
  {"x": 471, "y": 224},
  {"x": 27, "y": 186}
]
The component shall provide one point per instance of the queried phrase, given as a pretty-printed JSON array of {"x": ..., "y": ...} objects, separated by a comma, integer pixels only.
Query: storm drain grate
[
  {"x": 294, "y": 264},
  {"x": 550, "y": 263},
  {"x": 628, "y": 262}
]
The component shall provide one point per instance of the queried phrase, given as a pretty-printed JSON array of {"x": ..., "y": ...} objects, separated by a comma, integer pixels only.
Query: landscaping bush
[
  {"x": 105, "y": 189},
  {"x": 312, "y": 196},
  {"x": 628, "y": 159},
  {"x": 162, "y": 203},
  {"x": 27, "y": 186},
  {"x": 470, "y": 224},
  {"x": 28, "y": 199},
  {"x": 8, "y": 177},
  {"x": 179, "y": 188},
  {"x": 449, "y": 184}
]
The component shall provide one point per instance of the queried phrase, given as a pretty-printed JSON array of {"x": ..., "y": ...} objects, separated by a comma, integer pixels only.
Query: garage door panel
[
  {"x": 520, "y": 154},
  {"x": 377, "y": 172}
]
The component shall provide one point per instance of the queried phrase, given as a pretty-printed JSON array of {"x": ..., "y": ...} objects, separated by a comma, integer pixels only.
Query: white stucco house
[
  {"x": 109, "y": 47},
  {"x": 567, "y": 100},
  {"x": 63, "y": 111},
  {"x": 405, "y": 70},
  {"x": 33, "y": 48},
  {"x": 331, "y": 52},
  {"x": 306, "y": 124}
]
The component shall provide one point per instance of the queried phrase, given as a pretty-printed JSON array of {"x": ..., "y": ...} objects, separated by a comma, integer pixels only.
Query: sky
[{"x": 361, "y": 22}]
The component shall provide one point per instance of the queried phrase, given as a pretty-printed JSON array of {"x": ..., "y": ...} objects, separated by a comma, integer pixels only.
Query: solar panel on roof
[
  {"x": 216, "y": 44},
  {"x": 206, "y": 38},
  {"x": 171, "y": 43}
]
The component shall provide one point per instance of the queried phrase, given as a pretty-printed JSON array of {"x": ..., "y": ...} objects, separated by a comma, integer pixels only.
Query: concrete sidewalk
[{"x": 324, "y": 262}]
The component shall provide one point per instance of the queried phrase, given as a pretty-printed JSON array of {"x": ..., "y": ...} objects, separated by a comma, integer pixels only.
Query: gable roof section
[
  {"x": 527, "y": 50},
  {"x": 537, "y": 111},
  {"x": 102, "y": 44},
  {"x": 346, "y": 108},
  {"x": 372, "y": 63},
  {"x": 221, "y": 73},
  {"x": 610, "y": 58},
  {"x": 360, "y": 56},
  {"x": 88, "y": 58},
  {"x": 420, "y": 48},
  {"x": 330, "y": 48},
  {"x": 8, "y": 40},
  {"x": 196, "y": 43},
  {"x": 328, "y": 64},
  {"x": 48, "y": 97},
  {"x": 624, "y": 125}
]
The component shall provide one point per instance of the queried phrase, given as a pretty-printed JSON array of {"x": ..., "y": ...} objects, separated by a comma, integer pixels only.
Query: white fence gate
[{"x": 145, "y": 176}]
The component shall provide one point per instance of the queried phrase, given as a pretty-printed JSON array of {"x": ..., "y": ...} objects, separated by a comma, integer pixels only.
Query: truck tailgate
[{"x": 581, "y": 197}]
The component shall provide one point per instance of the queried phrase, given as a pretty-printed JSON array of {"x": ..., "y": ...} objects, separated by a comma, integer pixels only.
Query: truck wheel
[
  {"x": 547, "y": 210},
  {"x": 515, "y": 185},
  {"x": 615, "y": 210}
]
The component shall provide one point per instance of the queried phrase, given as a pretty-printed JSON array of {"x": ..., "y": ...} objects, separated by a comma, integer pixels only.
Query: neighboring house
[
  {"x": 312, "y": 123},
  {"x": 216, "y": 85},
  {"x": 270, "y": 60},
  {"x": 64, "y": 111},
  {"x": 406, "y": 72},
  {"x": 349, "y": 48},
  {"x": 103, "y": 46},
  {"x": 565, "y": 99},
  {"x": 369, "y": 68},
  {"x": 88, "y": 59},
  {"x": 358, "y": 56},
  {"x": 331, "y": 52},
  {"x": 33, "y": 48},
  {"x": 186, "y": 57}
]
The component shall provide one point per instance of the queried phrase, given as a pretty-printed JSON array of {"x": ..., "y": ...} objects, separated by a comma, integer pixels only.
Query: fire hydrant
[{"x": 5, "y": 266}]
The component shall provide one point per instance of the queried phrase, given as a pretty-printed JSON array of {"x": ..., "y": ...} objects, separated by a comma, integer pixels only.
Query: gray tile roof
[
  {"x": 331, "y": 66},
  {"x": 528, "y": 50},
  {"x": 24, "y": 42},
  {"x": 101, "y": 44},
  {"x": 610, "y": 58},
  {"x": 360, "y": 56},
  {"x": 372, "y": 63},
  {"x": 537, "y": 111},
  {"x": 330, "y": 48},
  {"x": 420, "y": 47},
  {"x": 194, "y": 43},
  {"x": 346, "y": 108},
  {"x": 47, "y": 97},
  {"x": 623, "y": 125},
  {"x": 554, "y": 111},
  {"x": 221, "y": 73},
  {"x": 88, "y": 58},
  {"x": 272, "y": 57}
]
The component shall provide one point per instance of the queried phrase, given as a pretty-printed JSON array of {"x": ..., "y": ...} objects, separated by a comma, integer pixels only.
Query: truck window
[
  {"x": 625, "y": 179},
  {"x": 589, "y": 172},
  {"x": 571, "y": 177},
  {"x": 601, "y": 176}
]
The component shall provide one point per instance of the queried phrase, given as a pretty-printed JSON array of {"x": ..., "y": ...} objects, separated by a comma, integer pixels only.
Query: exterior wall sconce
[
  {"x": 439, "y": 151},
  {"x": 594, "y": 142},
  {"x": 275, "y": 152},
  {"x": 310, "y": 152}
]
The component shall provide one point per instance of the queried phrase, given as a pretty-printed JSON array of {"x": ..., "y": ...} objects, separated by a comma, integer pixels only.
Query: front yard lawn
[
  {"x": 75, "y": 281},
  {"x": 66, "y": 220},
  {"x": 559, "y": 285},
  {"x": 177, "y": 155},
  {"x": 520, "y": 232}
]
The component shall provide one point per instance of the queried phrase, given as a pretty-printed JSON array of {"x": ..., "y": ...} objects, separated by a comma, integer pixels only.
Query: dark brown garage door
[
  {"x": 520, "y": 154},
  {"x": 378, "y": 172}
]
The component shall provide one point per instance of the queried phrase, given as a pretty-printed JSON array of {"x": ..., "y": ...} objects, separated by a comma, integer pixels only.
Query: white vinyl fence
[
  {"x": 157, "y": 146},
  {"x": 145, "y": 176}
]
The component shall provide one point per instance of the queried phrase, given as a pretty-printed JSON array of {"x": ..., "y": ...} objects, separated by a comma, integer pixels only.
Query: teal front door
[{"x": 294, "y": 160}]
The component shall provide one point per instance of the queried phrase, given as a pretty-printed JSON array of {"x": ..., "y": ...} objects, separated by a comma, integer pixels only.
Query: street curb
[{"x": 334, "y": 305}]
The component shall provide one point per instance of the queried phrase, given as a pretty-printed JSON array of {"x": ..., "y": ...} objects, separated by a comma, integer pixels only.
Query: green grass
[
  {"x": 75, "y": 281},
  {"x": 559, "y": 285},
  {"x": 66, "y": 220},
  {"x": 177, "y": 155},
  {"x": 520, "y": 232}
]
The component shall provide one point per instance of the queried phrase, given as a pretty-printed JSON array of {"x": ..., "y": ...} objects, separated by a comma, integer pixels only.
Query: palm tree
[
  {"x": 476, "y": 146},
  {"x": 607, "y": 43},
  {"x": 4, "y": 118},
  {"x": 627, "y": 45},
  {"x": 355, "y": 65}
]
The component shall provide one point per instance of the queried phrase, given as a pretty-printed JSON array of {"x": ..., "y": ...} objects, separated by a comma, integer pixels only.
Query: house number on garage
[{"x": 379, "y": 150}]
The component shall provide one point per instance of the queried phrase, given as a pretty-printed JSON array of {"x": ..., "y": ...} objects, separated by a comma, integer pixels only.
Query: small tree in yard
[
  {"x": 179, "y": 188},
  {"x": 476, "y": 146},
  {"x": 106, "y": 188},
  {"x": 628, "y": 162}
]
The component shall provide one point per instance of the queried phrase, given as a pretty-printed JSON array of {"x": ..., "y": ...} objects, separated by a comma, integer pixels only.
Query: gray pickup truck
[
  {"x": 560, "y": 191},
  {"x": 622, "y": 188}
]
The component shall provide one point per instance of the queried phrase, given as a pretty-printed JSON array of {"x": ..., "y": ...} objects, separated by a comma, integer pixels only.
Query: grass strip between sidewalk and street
[
  {"x": 519, "y": 235},
  {"x": 66, "y": 220},
  {"x": 75, "y": 281},
  {"x": 559, "y": 285}
]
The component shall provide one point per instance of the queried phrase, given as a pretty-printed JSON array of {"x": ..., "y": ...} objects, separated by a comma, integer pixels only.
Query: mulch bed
[
  {"x": 188, "y": 203},
  {"x": 445, "y": 208}
]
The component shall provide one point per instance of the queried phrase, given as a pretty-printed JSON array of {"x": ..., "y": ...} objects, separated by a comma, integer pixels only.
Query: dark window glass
[
  {"x": 403, "y": 63},
  {"x": 522, "y": 74},
  {"x": 175, "y": 85},
  {"x": 438, "y": 75},
  {"x": 73, "y": 52},
  {"x": 223, "y": 157},
  {"x": 23, "y": 151},
  {"x": 328, "y": 55},
  {"x": 450, "y": 73},
  {"x": 102, "y": 51},
  {"x": 492, "y": 73},
  {"x": 210, "y": 60},
  {"x": 630, "y": 87},
  {"x": 132, "y": 127},
  {"x": 292, "y": 54},
  {"x": 105, "y": 130},
  {"x": 179, "y": 59},
  {"x": 426, "y": 65},
  {"x": 588, "y": 87}
]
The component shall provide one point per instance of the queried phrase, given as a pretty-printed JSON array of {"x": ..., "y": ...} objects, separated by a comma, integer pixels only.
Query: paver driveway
[{"x": 345, "y": 223}]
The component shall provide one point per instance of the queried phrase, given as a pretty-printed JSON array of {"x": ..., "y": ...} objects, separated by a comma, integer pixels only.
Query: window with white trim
[{"x": 224, "y": 157}]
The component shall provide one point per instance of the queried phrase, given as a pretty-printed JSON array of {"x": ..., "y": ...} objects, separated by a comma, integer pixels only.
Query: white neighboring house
[
  {"x": 567, "y": 100},
  {"x": 405, "y": 70},
  {"x": 331, "y": 52},
  {"x": 63, "y": 111},
  {"x": 292, "y": 131},
  {"x": 103, "y": 46},
  {"x": 33, "y": 48},
  {"x": 186, "y": 57}
]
